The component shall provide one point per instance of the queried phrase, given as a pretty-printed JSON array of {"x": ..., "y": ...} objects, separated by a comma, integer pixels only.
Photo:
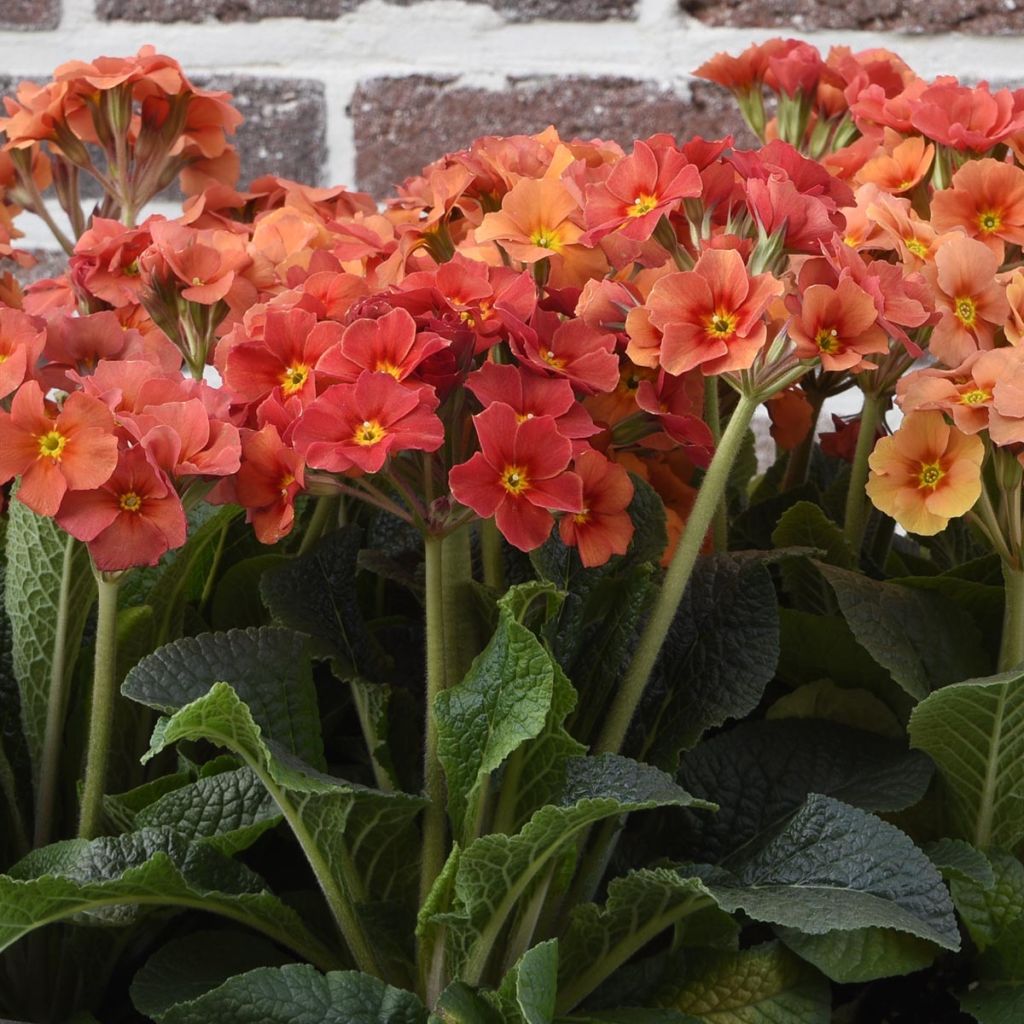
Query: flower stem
[
  {"x": 712, "y": 490},
  {"x": 324, "y": 515},
  {"x": 855, "y": 520},
  {"x": 1011, "y": 652},
  {"x": 101, "y": 718},
  {"x": 713, "y": 418},
  {"x": 491, "y": 555},
  {"x": 56, "y": 706}
]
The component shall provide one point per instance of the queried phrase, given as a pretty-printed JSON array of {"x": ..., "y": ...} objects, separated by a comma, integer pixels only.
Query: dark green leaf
[{"x": 806, "y": 525}]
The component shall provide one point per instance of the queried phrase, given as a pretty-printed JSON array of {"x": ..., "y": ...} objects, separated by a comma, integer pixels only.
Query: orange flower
[
  {"x": 1014, "y": 326},
  {"x": 839, "y": 325},
  {"x": 900, "y": 229},
  {"x": 535, "y": 221},
  {"x": 926, "y": 473},
  {"x": 711, "y": 317},
  {"x": 986, "y": 200},
  {"x": 970, "y": 303},
  {"x": 901, "y": 169}
]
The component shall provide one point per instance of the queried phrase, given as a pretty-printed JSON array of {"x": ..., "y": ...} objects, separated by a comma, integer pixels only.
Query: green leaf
[
  {"x": 824, "y": 700},
  {"x": 532, "y": 984},
  {"x": 503, "y": 702},
  {"x": 957, "y": 859},
  {"x": 983, "y": 602},
  {"x": 35, "y": 548},
  {"x": 998, "y": 995},
  {"x": 298, "y": 994},
  {"x": 496, "y": 870},
  {"x": 988, "y": 911},
  {"x": 236, "y": 601},
  {"x": 107, "y": 880},
  {"x": 719, "y": 654},
  {"x": 974, "y": 732},
  {"x": 268, "y": 668},
  {"x": 806, "y": 525},
  {"x": 862, "y": 954},
  {"x": 316, "y": 593},
  {"x": 761, "y": 773},
  {"x": 600, "y": 939},
  {"x": 192, "y": 964},
  {"x": 230, "y": 811},
  {"x": 762, "y": 985},
  {"x": 921, "y": 637},
  {"x": 837, "y": 868}
]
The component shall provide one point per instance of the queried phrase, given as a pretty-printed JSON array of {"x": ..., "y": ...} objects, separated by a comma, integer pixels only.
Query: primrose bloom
[
  {"x": 925, "y": 474},
  {"x": 986, "y": 200},
  {"x": 21, "y": 343},
  {"x": 270, "y": 478},
  {"x": 74, "y": 449},
  {"x": 602, "y": 528},
  {"x": 711, "y": 316},
  {"x": 519, "y": 475},
  {"x": 839, "y": 325}
]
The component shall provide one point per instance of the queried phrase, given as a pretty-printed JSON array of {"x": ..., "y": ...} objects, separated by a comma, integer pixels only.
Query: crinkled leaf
[
  {"x": 974, "y": 732},
  {"x": 192, "y": 964},
  {"x": 236, "y": 601},
  {"x": 35, "y": 548},
  {"x": 762, "y": 985},
  {"x": 720, "y": 653},
  {"x": 268, "y": 668},
  {"x": 760, "y": 773},
  {"x": 957, "y": 859},
  {"x": 920, "y": 637},
  {"x": 316, "y": 593},
  {"x": 989, "y": 910},
  {"x": 229, "y": 811},
  {"x": 299, "y": 994},
  {"x": 106, "y": 881},
  {"x": 530, "y": 988},
  {"x": 806, "y": 525},
  {"x": 837, "y": 868}
]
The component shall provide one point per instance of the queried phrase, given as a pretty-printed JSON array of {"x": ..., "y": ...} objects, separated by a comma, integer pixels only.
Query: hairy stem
[
  {"x": 713, "y": 418},
  {"x": 324, "y": 516},
  {"x": 857, "y": 505},
  {"x": 1011, "y": 651},
  {"x": 101, "y": 717}
]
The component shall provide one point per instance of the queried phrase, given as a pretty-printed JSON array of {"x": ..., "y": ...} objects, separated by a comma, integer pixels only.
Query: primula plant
[{"x": 399, "y": 625}]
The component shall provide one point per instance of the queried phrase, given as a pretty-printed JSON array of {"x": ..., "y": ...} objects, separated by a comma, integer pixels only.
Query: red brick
[
  {"x": 401, "y": 124},
  {"x": 30, "y": 15}
]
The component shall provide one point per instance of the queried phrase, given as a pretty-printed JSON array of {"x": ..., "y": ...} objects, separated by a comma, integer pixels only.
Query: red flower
[
  {"x": 571, "y": 349},
  {"x": 74, "y": 450},
  {"x": 602, "y": 528},
  {"x": 518, "y": 476},
  {"x": 966, "y": 118},
  {"x": 184, "y": 440},
  {"x": 839, "y": 325},
  {"x": 130, "y": 520},
  {"x": 677, "y": 403},
  {"x": 359, "y": 425},
  {"x": 21, "y": 343},
  {"x": 641, "y": 189},
  {"x": 389, "y": 344},
  {"x": 271, "y": 476}
]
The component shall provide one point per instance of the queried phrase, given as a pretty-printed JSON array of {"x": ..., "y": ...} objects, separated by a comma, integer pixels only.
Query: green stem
[
  {"x": 713, "y": 418},
  {"x": 101, "y": 717},
  {"x": 1011, "y": 652},
  {"x": 434, "y": 817},
  {"x": 645, "y": 656},
  {"x": 491, "y": 555},
  {"x": 324, "y": 514},
  {"x": 508, "y": 798},
  {"x": 460, "y": 640},
  {"x": 56, "y": 706},
  {"x": 9, "y": 789},
  {"x": 857, "y": 505}
]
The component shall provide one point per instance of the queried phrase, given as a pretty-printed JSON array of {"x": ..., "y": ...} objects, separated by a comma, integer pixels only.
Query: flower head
[{"x": 602, "y": 527}]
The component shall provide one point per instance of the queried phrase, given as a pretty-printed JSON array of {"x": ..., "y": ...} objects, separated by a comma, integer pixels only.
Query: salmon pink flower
[
  {"x": 270, "y": 478},
  {"x": 519, "y": 475},
  {"x": 641, "y": 189},
  {"x": 968, "y": 119},
  {"x": 711, "y": 316},
  {"x": 986, "y": 200},
  {"x": 839, "y": 326},
  {"x": 284, "y": 360},
  {"x": 204, "y": 263},
  {"x": 970, "y": 302},
  {"x": 602, "y": 528},
  {"x": 571, "y": 349},
  {"x": 22, "y": 338},
  {"x": 359, "y": 425},
  {"x": 390, "y": 344},
  {"x": 537, "y": 220},
  {"x": 925, "y": 474},
  {"x": 131, "y": 519},
  {"x": 1014, "y": 326},
  {"x": 901, "y": 169},
  {"x": 76, "y": 449},
  {"x": 677, "y": 403}
]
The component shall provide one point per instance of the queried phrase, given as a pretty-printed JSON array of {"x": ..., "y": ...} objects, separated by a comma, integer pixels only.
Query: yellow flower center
[
  {"x": 917, "y": 247},
  {"x": 828, "y": 340},
  {"x": 51, "y": 445},
  {"x": 515, "y": 480},
  {"x": 130, "y": 502},
  {"x": 286, "y": 481},
  {"x": 581, "y": 517},
  {"x": 904, "y": 185},
  {"x": 369, "y": 433},
  {"x": 641, "y": 205},
  {"x": 977, "y": 396},
  {"x": 4, "y": 357},
  {"x": 547, "y": 238},
  {"x": 965, "y": 311},
  {"x": 929, "y": 475},
  {"x": 551, "y": 359},
  {"x": 522, "y": 417},
  {"x": 467, "y": 318},
  {"x": 721, "y": 324},
  {"x": 989, "y": 221},
  {"x": 851, "y": 240},
  {"x": 293, "y": 378},
  {"x": 197, "y": 282},
  {"x": 385, "y": 367}
]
